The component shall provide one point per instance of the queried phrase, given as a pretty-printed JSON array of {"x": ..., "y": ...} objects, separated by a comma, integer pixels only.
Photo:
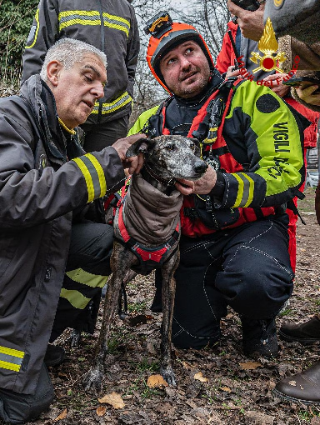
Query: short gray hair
[{"x": 69, "y": 51}]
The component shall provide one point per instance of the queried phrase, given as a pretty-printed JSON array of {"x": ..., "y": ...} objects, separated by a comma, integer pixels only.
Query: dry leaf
[
  {"x": 199, "y": 377},
  {"x": 62, "y": 415},
  {"x": 293, "y": 383},
  {"x": 114, "y": 399},
  {"x": 226, "y": 389},
  {"x": 187, "y": 365},
  {"x": 156, "y": 381},
  {"x": 250, "y": 365},
  {"x": 101, "y": 410}
]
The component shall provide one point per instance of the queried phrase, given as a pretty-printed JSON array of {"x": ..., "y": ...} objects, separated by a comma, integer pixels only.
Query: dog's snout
[{"x": 200, "y": 166}]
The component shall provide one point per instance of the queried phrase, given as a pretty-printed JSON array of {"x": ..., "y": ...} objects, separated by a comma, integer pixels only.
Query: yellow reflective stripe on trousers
[
  {"x": 10, "y": 358},
  {"x": 84, "y": 17},
  {"x": 93, "y": 175},
  {"x": 86, "y": 278},
  {"x": 75, "y": 298},
  {"x": 245, "y": 190},
  {"x": 108, "y": 108}
]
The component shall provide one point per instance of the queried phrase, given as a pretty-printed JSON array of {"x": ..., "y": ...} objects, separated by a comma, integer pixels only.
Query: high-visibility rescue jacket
[
  {"x": 40, "y": 187},
  {"x": 109, "y": 25},
  {"x": 259, "y": 148}
]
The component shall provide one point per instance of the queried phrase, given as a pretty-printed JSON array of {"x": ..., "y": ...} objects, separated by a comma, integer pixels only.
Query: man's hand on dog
[
  {"x": 201, "y": 186},
  {"x": 134, "y": 163}
]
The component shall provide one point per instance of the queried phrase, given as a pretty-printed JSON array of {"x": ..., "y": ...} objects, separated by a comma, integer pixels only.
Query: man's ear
[
  {"x": 140, "y": 146},
  {"x": 54, "y": 69}
]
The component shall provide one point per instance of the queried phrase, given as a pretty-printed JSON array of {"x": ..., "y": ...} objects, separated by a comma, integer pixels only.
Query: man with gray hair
[
  {"x": 53, "y": 258},
  {"x": 112, "y": 27}
]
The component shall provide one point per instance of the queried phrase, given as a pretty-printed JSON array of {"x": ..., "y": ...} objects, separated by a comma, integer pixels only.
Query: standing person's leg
[
  {"x": 87, "y": 271},
  {"x": 99, "y": 136},
  {"x": 256, "y": 280}
]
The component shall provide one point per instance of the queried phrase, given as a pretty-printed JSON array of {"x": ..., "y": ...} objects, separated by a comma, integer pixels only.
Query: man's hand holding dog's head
[
  {"x": 202, "y": 186},
  {"x": 133, "y": 163}
]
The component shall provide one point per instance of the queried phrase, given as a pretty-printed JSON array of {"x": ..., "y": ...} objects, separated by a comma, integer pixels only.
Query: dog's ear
[
  {"x": 140, "y": 146},
  {"x": 196, "y": 142}
]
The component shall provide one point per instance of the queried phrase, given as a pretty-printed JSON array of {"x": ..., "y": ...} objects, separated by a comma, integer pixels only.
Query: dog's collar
[{"x": 159, "y": 179}]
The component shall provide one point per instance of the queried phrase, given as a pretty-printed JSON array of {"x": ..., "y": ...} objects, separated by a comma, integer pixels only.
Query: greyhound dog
[{"x": 147, "y": 233}]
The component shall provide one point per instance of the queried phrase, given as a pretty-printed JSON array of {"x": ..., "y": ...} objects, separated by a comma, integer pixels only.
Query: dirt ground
[{"x": 231, "y": 389}]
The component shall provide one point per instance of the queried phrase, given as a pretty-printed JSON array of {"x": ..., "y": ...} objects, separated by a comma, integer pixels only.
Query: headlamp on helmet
[{"x": 158, "y": 25}]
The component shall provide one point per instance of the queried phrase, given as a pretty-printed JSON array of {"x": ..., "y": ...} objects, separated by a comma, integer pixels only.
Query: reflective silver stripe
[
  {"x": 84, "y": 17},
  {"x": 10, "y": 359},
  {"x": 108, "y": 108},
  {"x": 116, "y": 22},
  {"x": 243, "y": 190},
  {"x": 93, "y": 175}
]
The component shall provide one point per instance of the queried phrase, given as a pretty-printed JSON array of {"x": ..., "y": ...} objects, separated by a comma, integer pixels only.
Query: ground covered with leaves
[{"x": 215, "y": 386}]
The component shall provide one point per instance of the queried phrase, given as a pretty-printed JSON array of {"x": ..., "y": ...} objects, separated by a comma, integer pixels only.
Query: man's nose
[
  {"x": 98, "y": 90},
  {"x": 184, "y": 62}
]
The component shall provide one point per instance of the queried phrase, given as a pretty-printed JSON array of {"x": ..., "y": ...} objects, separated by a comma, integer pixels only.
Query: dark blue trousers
[{"x": 247, "y": 268}]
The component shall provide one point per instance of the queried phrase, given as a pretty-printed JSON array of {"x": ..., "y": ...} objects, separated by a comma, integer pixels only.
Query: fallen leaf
[
  {"x": 187, "y": 365},
  {"x": 226, "y": 389},
  {"x": 199, "y": 377},
  {"x": 101, "y": 410},
  {"x": 293, "y": 383},
  {"x": 250, "y": 365},
  {"x": 62, "y": 415},
  {"x": 156, "y": 381},
  {"x": 114, "y": 399}
]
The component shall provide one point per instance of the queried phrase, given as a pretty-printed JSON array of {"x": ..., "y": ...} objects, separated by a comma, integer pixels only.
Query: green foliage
[{"x": 15, "y": 23}]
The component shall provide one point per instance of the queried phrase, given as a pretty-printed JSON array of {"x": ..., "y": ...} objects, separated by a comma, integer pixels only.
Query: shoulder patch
[{"x": 267, "y": 103}]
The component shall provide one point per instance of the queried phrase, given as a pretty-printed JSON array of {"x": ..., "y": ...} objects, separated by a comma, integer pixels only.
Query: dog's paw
[
  {"x": 168, "y": 374},
  {"x": 93, "y": 378}
]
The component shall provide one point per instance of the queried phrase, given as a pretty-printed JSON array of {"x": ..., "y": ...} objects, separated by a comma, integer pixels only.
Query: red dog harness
[{"x": 149, "y": 258}]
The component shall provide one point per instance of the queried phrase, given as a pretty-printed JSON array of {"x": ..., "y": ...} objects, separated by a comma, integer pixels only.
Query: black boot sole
[
  {"x": 293, "y": 399},
  {"x": 303, "y": 341}
]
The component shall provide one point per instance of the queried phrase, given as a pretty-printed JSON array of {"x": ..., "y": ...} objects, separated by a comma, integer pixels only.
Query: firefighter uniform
[{"x": 40, "y": 187}]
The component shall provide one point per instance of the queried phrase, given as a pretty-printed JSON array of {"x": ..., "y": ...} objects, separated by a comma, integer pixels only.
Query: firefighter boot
[
  {"x": 306, "y": 333},
  {"x": 259, "y": 337},
  {"x": 303, "y": 387},
  {"x": 16, "y": 408}
]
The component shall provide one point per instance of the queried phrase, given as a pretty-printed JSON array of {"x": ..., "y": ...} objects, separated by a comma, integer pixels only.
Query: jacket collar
[{"x": 42, "y": 102}]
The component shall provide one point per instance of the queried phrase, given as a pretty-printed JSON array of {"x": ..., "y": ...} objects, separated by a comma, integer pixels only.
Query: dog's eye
[
  {"x": 192, "y": 147},
  {"x": 170, "y": 147}
]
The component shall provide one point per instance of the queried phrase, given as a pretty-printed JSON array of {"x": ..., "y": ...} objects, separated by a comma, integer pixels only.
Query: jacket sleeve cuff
[{"x": 218, "y": 191}]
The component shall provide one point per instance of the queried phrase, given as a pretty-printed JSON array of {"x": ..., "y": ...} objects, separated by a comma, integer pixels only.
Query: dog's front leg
[
  {"x": 168, "y": 294},
  {"x": 120, "y": 267}
]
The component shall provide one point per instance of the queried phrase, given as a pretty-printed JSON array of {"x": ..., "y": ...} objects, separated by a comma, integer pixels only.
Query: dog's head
[{"x": 171, "y": 157}]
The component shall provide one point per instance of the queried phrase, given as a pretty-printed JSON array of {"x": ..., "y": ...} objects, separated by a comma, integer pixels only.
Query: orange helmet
[{"x": 166, "y": 34}]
